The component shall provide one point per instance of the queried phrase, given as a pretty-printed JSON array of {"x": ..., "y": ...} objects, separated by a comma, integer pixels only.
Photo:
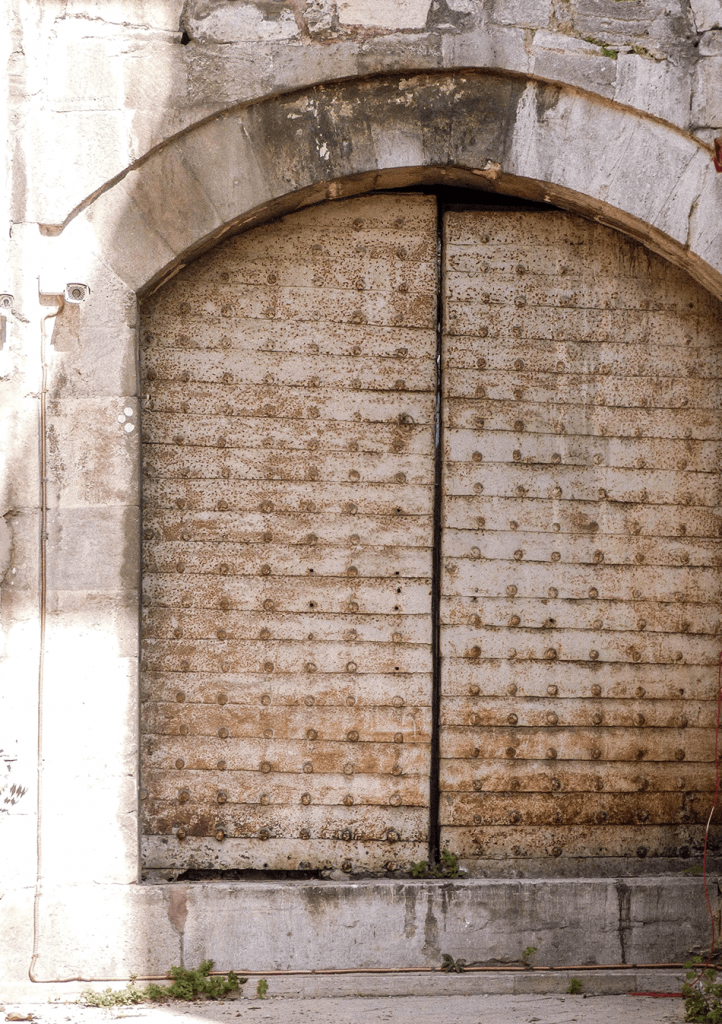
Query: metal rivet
[
  {"x": 514, "y": 620},
  {"x": 222, "y": 698},
  {"x": 512, "y": 719},
  {"x": 556, "y": 785},
  {"x": 348, "y": 800},
  {"x": 180, "y": 763},
  {"x": 304, "y": 834},
  {"x": 597, "y": 719},
  {"x": 679, "y": 755},
  {"x": 398, "y": 702},
  {"x": 556, "y": 851},
  {"x": 553, "y": 592},
  {"x": 550, "y": 653},
  {"x": 180, "y": 696},
  {"x": 223, "y": 733},
  {"x": 398, "y": 737},
  {"x": 596, "y": 690},
  {"x": 551, "y": 754},
  {"x": 268, "y": 734},
  {"x": 311, "y": 734},
  {"x": 184, "y": 730},
  {"x": 555, "y": 556},
  {"x": 264, "y": 834},
  {"x": 639, "y": 720},
  {"x": 392, "y": 836},
  {"x": 596, "y": 754},
  {"x": 268, "y": 666},
  {"x": 222, "y": 796},
  {"x": 510, "y": 752},
  {"x": 185, "y": 666},
  {"x": 305, "y": 799},
  {"x": 266, "y": 767},
  {"x": 552, "y": 718},
  {"x": 552, "y": 690},
  {"x": 221, "y": 765},
  {"x": 352, "y": 736},
  {"x": 350, "y": 701},
  {"x": 183, "y": 796},
  {"x": 181, "y": 833},
  {"x": 351, "y": 666},
  {"x": 594, "y": 655},
  {"x": 511, "y": 591}
]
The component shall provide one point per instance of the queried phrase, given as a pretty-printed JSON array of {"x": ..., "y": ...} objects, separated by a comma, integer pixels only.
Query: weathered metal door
[
  {"x": 580, "y": 555},
  {"x": 288, "y": 498}
]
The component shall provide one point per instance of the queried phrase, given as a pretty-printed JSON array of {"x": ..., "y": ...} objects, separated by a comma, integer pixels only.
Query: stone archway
[
  {"x": 481, "y": 129},
  {"x": 251, "y": 164}
]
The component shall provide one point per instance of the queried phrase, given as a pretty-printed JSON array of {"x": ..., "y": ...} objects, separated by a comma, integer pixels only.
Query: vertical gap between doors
[{"x": 434, "y": 781}]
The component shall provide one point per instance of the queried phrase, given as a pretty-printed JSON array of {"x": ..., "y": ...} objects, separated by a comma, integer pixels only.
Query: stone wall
[{"x": 139, "y": 132}]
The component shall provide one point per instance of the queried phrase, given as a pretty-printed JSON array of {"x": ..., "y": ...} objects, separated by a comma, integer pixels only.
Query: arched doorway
[{"x": 429, "y": 537}]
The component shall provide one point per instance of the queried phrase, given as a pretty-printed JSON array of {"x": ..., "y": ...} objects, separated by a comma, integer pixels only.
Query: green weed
[
  {"x": 187, "y": 985},
  {"x": 261, "y": 988},
  {"x": 575, "y": 986},
  {"x": 702, "y": 994},
  {"x": 448, "y": 867},
  {"x": 452, "y": 966}
]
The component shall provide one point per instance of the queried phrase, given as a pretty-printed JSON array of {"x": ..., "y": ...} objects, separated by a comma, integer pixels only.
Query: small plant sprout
[
  {"x": 448, "y": 867},
  {"x": 528, "y": 954},
  {"x": 451, "y": 966},
  {"x": 575, "y": 986},
  {"x": 261, "y": 988}
]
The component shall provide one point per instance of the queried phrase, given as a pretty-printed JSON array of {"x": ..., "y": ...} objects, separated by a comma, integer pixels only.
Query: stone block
[
  {"x": 659, "y": 88},
  {"x": 142, "y": 14},
  {"x": 312, "y": 925},
  {"x": 707, "y": 14},
  {"x": 220, "y": 21},
  {"x": 222, "y": 157},
  {"x": 93, "y": 452},
  {"x": 559, "y": 57},
  {"x": 134, "y": 248},
  {"x": 403, "y": 14},
  {"x": 93, "y": 549},
  {"x": 707, "y": 93},
  {"x": 16, "y": 933},
  {"x": 105, "y": 931},
  {"x": 153, "y": 73},
  {"x": 88, "y": 149},
  {"x": 83, "y": 74},
  {"x": 488, "y": 46},
  {"x": 522, "y": 13}
]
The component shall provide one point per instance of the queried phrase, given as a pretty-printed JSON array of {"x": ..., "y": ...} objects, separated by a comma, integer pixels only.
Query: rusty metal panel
[
  {"x": 580, "y": 591},
  {"x": 288, "y": 457}
]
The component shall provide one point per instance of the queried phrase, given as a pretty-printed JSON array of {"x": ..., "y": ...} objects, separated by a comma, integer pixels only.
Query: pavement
[{"x": 437, "y": 1009}]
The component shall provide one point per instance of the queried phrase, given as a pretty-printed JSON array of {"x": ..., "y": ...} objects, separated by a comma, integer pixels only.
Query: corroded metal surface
[
  {"x": 288, "y": 493},
  {"x": 581, "y": 545}
]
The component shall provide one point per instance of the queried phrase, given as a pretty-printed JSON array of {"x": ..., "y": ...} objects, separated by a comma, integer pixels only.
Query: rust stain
[
  {"x": 178, "y": 907},
  {"x": 581, "y": 507},
  {"x": 288, "y": 489}
]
